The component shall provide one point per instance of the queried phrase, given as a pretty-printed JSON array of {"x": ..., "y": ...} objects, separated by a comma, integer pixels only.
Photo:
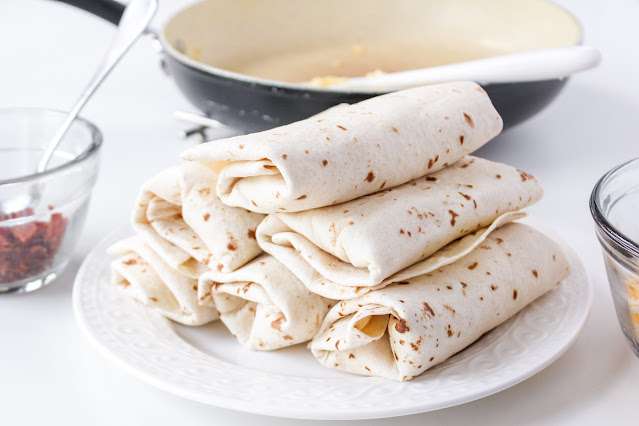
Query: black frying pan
[{"x": 201, "y": 42}]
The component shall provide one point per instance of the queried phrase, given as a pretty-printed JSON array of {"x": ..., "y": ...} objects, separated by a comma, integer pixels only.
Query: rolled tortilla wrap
[
  {"x": 347, "y": 250},
  {"x": 180, "y": 216},
  {"x": 403, "y": 330},
  {"x": 351, "y": 151},
  {"x": 264, "y": 305},
  {"x": 145, "y": 277}
]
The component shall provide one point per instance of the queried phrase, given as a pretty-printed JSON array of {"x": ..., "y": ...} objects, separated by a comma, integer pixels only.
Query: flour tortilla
[
  {"x": 344, "y": 251},
  {"x": 180, "y": 217},
  {"x": 351, "y": 150},
  {"x": 403, "y": 330},
  {"x": 145, "y": 277},
  {"x": 264, "y": 305}
]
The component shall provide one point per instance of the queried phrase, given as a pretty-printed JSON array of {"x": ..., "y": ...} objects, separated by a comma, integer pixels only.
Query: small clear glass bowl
[
  {"x": 614, "y": 205},
  {"x": 37, "y": 239}
]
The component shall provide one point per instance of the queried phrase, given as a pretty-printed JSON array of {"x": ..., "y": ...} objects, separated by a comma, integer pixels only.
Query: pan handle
[{"x": 109, "y": 10}]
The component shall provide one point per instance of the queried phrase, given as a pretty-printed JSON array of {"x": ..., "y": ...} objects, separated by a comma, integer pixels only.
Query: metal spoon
[{"x": 135, "y": 19}]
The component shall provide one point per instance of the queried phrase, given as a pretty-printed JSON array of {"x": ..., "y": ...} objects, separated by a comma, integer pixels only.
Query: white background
[{"x": 50, "y": 373}]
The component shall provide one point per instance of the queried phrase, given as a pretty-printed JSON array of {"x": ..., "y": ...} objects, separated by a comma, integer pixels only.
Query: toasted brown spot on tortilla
[
  {"x": 449, "y": 331},
  {"x": 466, "y": 196},
  {"x": 287, "y": 337},
  {"x": 219, "y": 267},
  {"x": 452, "y": 311},
  {"x": 395, "y": 129},
  {"x": 525, "y": 176},
  {"x": 401, "y": 326},
  {"x": 454, "y": 215},
  {"x": 327, "y": 138},
  {"x": 449, "y": 287},
  {"x": 472, "y": 266},
  {"x": 463, "y": 284},
  {"x": 232, "y": 246},
  {"x": 254, "y": 203},
  {"x": 301, "y": 197},
  {"x": 204, "y": 192},
  {"x": 351, "y": 356},
  {"x": 306, "y": 151},
  {"x": 535, "y": 273},
  {"x": 342, "y": 127},
  {"x": 401, "y": 231},
  {"x": 154, "y": 299},
  {"x": 130, "y": 262},
  {"x": 428, "y": 309},
  {"x": 431, "y": 359},
  {"x": 414, "y": 346},
  {"x": 401, "y": 282},
  {"x": 370, "y": 176},
  {"x": 431, "y": 178},
  {"x": 284, "y": 156},
  {"x": 430, "y": 163},
  {"x": 383, "y": 185},
  {"x": 463, "y": 166},
  {"x": 515, "y": 294},
  {"x": 499, "y": 240},
  {"x": 241, "y": 146},
  {"x": 350, "y": 222},
  {"x": 461, "y": 139},
  {"x": 206, "y": 217},
  {"x": 554, "y": 258},
  {"x": 324, "y": 163},
  {"x": 493, "y": 287},
  {"x": 469, "y": 120},
  {"x": 367, "y": 368}
]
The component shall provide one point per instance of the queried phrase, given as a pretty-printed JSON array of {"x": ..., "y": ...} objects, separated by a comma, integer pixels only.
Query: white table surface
[{"x": 49, "y": 371}]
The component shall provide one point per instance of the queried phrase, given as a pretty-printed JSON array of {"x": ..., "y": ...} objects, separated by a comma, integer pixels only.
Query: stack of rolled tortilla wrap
[
  {"x": 353, "y": 150},
  {"x": 404, "y": 329},
  {"x": 344, "y": 251},
  {"x": 374, "y": 209}
]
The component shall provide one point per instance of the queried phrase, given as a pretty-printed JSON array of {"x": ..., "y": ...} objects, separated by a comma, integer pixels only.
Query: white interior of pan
[{"x": 295, "y": 40}]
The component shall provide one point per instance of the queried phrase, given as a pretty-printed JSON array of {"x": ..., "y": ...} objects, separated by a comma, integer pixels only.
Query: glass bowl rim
[
  {"x": 602, "y": 222},
  {"x": 90, "y": 151}
]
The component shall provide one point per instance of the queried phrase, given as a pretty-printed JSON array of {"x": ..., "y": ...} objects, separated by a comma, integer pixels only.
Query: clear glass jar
[
  {"x": 38, "y": 234},
  {"x": 614, "y": 205}
]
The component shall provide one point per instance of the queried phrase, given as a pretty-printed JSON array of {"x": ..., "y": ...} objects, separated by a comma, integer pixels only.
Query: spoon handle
[
  {"x": 534, "y": 65},
  {"x": 135, "y": 19}
]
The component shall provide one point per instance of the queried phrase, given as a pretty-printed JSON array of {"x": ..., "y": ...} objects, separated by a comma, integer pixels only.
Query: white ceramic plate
[{"x": 207, "y": 364}]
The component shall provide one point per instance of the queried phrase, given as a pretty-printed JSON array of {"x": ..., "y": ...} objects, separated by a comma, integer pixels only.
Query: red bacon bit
[{"x": 28, "y": 249}]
